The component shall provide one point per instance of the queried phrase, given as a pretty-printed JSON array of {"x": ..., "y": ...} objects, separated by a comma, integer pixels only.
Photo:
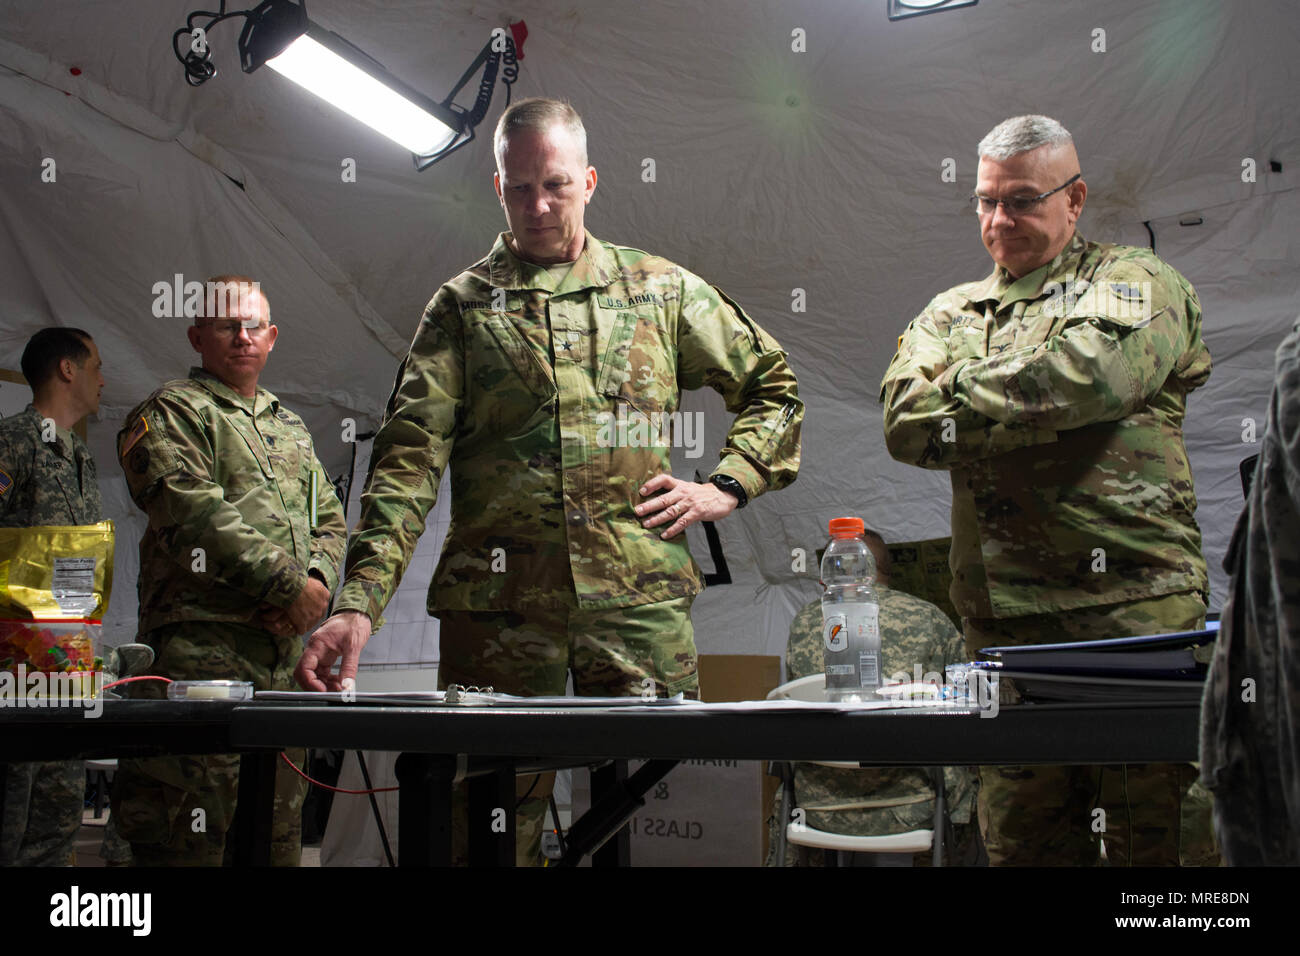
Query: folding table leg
[
  {"x": 424, "y": 809},
  {"x": 254, "y": 808},
  {"x": 940, "y": 815},
  {"x": 492, "y": 817},
  {"x": 617, "y": 851}
]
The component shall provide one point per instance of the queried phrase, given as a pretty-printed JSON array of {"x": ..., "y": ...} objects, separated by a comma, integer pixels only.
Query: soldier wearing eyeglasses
[
  {"x": 239, "y": 559},
  {"x": 1053, "y": 391}
]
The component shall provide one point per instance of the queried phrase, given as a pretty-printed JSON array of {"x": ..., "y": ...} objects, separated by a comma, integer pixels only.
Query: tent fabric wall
[{"x": 774, "y": 171}]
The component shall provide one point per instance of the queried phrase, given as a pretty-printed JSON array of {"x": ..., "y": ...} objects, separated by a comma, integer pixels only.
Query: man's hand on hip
[
  {"x": 341, "y": 637},
  {"x": 683, "y": 503}
]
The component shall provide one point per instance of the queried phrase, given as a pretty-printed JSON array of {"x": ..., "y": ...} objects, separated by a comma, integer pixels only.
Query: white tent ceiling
[{"x": 774, "y": 170}]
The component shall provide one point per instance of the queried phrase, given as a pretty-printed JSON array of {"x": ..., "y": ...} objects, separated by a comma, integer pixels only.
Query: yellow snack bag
[{"x": 56, "y": 572}]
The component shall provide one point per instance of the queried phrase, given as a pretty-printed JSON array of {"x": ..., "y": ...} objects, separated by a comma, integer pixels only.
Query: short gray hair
[
  {"x": 1021, "y": 134},
  {"x": 538, "y": 114}
]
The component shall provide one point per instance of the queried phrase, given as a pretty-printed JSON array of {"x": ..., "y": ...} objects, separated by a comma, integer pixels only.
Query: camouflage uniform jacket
[
  {"x": 44, "y": 483},
  {"x": 1057, "y": 401},
  {"x": 520, "y": 381},
  {"x": 916, "y": 639},
  {"x": 1250, "y": 732},
  {"x": 230, "y": 475}
]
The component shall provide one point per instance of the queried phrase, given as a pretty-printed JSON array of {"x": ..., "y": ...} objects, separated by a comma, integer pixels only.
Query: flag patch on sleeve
[
  {"x": 138, "y": 432},
  {"x": 5, "y": 481}
]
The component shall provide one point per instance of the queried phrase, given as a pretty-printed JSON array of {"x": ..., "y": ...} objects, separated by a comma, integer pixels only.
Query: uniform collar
[
  {"x": 594, "y": 268},
  {"x": 37, "y": 421},
  {"x": 263, "y": 399},
  {"x": 1006, "y": 289}
]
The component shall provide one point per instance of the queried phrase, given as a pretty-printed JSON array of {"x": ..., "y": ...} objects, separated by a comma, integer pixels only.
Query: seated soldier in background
[{"x": 887, "y": 800}]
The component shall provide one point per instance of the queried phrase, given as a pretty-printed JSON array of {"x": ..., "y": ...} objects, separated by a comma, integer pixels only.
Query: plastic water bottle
[{"x": 850, "y": 614}]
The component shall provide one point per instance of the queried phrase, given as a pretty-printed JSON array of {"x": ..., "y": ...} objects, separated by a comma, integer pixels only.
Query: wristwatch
[{"x": 732, "y": 487}]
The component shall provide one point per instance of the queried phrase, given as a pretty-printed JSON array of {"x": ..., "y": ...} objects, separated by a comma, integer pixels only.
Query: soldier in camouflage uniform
[
  {"x": 546, "y": 377},
  {"x": 917, "y": 640},
  {"x": 47, "y": 477},
  {"x": 241, "y": 554},
  {"x": 1054, "y": 392},
  {"x": 1250, "y": 730}
]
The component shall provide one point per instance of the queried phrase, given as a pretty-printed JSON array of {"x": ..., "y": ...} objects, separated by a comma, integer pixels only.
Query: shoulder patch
[
  {"x": 138, "y": 432},
  {"x": 5, "y": 482}
]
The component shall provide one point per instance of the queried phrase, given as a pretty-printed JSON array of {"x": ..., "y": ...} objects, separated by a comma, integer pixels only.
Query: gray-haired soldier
[{"x": 1053, "y": 391}]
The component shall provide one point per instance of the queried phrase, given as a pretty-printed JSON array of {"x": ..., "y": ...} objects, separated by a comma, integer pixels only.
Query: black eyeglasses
[{"x": 1015, "y": 205}]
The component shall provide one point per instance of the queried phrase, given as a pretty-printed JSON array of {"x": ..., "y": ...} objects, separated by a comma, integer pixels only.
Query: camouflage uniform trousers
[
  {"x": 612, "y": 652},
  {"x": 43, "y": 802},
  {"x": 1154, "y": 814},
  {"x": 156, "y": 799}
]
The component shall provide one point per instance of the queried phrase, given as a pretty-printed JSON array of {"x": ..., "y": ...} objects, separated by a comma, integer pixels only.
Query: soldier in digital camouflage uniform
[
  {"x": 917, "y": 640},
  {"x": 238, "y": 560},
  {"x": 47, "y": 477},
  {"x": 541, "y": 376},
  {"x": 1250, "y": 730},
  {"x": 1054, "y": 392}
]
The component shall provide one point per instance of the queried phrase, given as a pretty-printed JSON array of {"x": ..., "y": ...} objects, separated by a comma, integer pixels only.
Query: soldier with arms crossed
[{"x": 1054, "y": 392}]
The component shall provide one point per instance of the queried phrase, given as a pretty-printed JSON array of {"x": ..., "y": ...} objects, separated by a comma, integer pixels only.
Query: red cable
[
  {"x": 128, "y": 680},
  {"x": 283, "y": 755},
  {"x": 326, "y": 786}
]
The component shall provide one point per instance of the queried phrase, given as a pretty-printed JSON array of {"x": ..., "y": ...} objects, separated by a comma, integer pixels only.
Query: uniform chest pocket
[
  {"x": 242, "y": 465},
  {"x": 967, "y": 341},
  {"x": 238, "y": 484},
  {"x": 639, "y": 365},
  {"x": 497, "y": 347}
]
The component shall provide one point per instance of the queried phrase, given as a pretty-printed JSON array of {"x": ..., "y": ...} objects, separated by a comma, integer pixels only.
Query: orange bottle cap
[{"x": 846, "y": 527}]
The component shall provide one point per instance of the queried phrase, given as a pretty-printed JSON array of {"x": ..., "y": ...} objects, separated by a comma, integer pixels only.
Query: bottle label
[
  {"x": 868, "y": 668},
  {"x": 835, "y": 633}
]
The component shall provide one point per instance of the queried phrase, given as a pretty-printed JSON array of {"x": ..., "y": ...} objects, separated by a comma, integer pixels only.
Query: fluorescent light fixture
[
  {"x": 278, "y": 34},
  {"x": 902, "y": 9},
  {"x": 382, "y": 106}
]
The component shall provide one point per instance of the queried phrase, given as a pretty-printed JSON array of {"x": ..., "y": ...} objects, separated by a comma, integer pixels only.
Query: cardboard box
[{"x": 706, "y": 812}]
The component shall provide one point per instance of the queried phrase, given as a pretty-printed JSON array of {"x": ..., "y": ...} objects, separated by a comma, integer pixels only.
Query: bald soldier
[
  {"x": 239, "y": 558},
  {"x": 1054, "y": 391},
  {"x": 547, "y": 378}
]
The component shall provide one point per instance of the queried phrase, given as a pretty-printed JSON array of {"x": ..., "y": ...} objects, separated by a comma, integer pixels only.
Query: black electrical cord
[
  {"x": 531, "y": 787},
  {"x": 346, "y": 494},
  {"x": 199, "y": 67},
  {"x": 489, "y": 60},
  {"x": 559, "y": 830},
  {"x": 374, "y": 808}
]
